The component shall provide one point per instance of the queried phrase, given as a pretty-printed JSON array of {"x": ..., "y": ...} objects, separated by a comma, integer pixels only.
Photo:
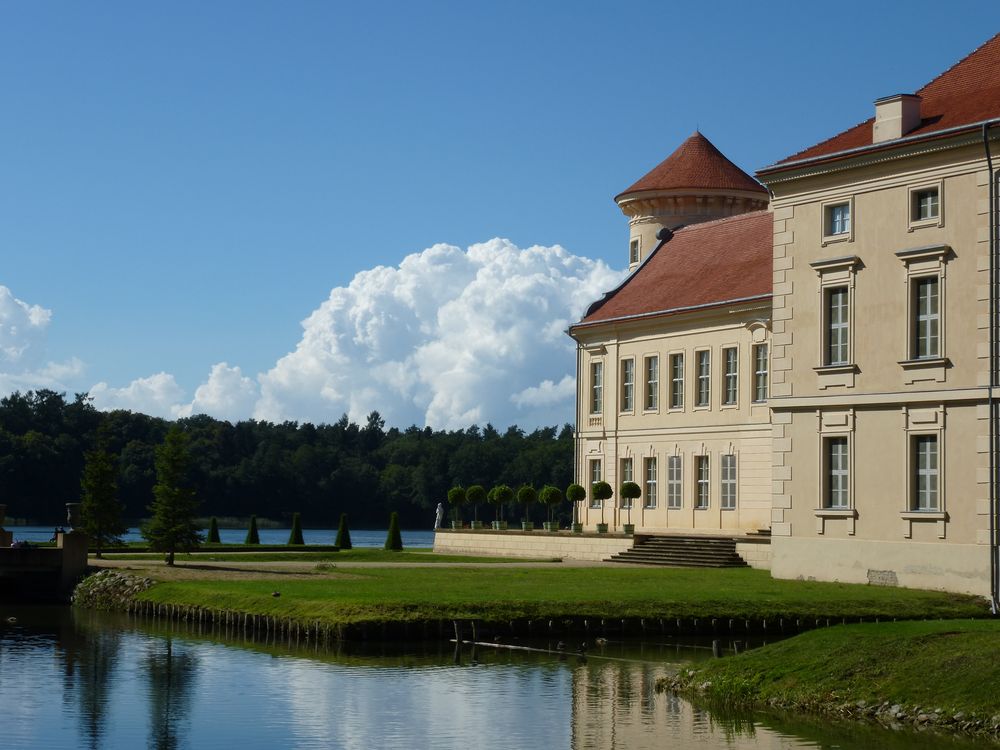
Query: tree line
[{"x": 269, "y": 469}]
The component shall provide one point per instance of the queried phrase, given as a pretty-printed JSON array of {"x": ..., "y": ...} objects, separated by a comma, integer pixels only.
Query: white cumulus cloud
[
  {"x": 23, "y": 365},
  {"x": 447, "y": 338}
]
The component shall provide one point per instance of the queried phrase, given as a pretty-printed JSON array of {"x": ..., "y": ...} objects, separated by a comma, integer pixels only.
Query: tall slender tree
[
  {"x": 100, "y": 509},
  {"x": 173, "y": 527}
]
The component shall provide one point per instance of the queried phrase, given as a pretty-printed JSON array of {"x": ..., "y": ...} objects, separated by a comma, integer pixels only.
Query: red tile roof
[
  {"x": 696, "y": 164},
  {"x": 702, "y": 265},
  {"x": 965, "y": 94}
]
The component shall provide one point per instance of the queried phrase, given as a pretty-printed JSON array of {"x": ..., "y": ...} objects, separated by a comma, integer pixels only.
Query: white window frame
[
  {"x": 627, "y": 466},
  {"x": 650, "y": 469},
  {"x": 651, "y": 394},
  {"x": 675, "y": 391},
  {"x": 675, "y": 482},
  {"x": 918, "y": 264},
  {"x": 913, "y": 193},
  {"x": 837, "y": 332},
  {"x": 921, "y": 472},
  {"x": 730, "y": 389},
  {"x": 597, "y": 386},
  {"x": 627, "y": 372},
  {"x": 727, "y": 481},
  {"x": 634, "y": 250},
  {"x": 836, "y": 425},
  {"x": 595, "y": 472},
  {"x": 924, "y": 423},
  {"x": 828, "y": 210},
  {"x": 703, "y": 378},
  {"x": 837, "y": 465},
  {"x": 761, "y": 376},
  {"x": 702, "y": 482},
  {"x": 834, "y": 274}
]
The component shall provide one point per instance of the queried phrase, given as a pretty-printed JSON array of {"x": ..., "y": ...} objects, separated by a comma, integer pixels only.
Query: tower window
[{"x": 633, "y": 251}]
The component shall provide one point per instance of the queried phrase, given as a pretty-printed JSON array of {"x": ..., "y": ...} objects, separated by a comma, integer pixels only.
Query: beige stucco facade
[
  {"x": 614, "y": 436},
  {"x": 880, "y": 441}
]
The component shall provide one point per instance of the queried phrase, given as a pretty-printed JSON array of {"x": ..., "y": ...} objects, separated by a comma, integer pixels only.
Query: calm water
[
  {"x": 86, "y": 680},
  {"x": 359, "y": 538}
]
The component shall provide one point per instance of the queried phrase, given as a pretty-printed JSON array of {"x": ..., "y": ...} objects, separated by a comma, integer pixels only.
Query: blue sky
[{"x": 183, "y": 184}]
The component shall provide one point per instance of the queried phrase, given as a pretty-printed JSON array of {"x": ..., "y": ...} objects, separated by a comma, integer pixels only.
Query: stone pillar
[{"x": 74, "y": 559}]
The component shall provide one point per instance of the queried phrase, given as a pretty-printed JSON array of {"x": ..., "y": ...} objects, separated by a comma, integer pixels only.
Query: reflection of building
[
  {"x": 615, "y": 706},
  {"x": 859, "y": 304}
]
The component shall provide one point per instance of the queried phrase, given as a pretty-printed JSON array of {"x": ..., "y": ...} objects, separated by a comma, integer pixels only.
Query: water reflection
[{"x": 96, "y": 681}]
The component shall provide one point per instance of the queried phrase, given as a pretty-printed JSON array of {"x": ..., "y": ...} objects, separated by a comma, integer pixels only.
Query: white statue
[{"x": 439, "y": 516}]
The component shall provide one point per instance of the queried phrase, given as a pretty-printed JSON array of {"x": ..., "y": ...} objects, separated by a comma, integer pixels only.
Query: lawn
[
  {"x": 341, "y": 596},
  {"x": 949, "y": 665},
  {"x": 360, "y": 554}
]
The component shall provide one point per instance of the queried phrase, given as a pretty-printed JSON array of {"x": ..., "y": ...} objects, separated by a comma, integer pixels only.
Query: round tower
[{"x": 695, "y": 183}]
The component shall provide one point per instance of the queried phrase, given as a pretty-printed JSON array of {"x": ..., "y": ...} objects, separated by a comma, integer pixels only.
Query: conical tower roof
[{"x": 696, "y": 165}]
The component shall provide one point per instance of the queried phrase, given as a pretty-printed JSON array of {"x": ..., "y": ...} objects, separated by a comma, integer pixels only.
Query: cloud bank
[
  {"x": 447, "y": 338},
  {"x": 23, "y": 364}
]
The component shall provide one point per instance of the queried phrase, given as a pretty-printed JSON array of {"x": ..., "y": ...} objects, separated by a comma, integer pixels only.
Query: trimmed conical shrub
[
  {"x": 343, "y": 533},
  {"x": 213, "y": 532},
  {"x": 252, "y": 536},
  {"x": 296, "y": 536},
  {"x": 394, "y": 540}
]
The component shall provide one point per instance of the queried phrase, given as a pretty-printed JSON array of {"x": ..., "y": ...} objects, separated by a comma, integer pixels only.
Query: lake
[
  {"x": 91, "y": 680},
  {"x": 359, "y": 538}
]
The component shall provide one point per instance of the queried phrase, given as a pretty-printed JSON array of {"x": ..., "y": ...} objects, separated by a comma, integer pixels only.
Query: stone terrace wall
[{"x": 531, "y": 544}]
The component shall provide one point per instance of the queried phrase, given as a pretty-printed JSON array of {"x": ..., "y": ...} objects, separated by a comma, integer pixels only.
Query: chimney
[{"x": 895, "y": 116}]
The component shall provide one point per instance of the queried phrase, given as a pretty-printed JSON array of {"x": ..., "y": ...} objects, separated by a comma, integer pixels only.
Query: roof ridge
[{"x": 943, "y": 73}]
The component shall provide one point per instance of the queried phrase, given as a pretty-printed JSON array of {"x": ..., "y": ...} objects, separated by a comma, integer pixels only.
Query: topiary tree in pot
[
  {"x": 576, "y": 494},
  {"x": 475, "y": 494},
  {"x": 500, "y": 496},
  {"x": 526, "y": 495},
  {"x": 602, "y": 491},
  {"x": 456, "y": 499},
  {"x": 629, "y": 492},
  {"x": 551, "y": 497}
]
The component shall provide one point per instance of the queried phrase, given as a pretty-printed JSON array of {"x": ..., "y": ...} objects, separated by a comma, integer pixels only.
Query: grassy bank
[
  {"x": 500, "y": 594},
  {"x": 926, "y": 673},
  {"x": 360, "y": 554}
]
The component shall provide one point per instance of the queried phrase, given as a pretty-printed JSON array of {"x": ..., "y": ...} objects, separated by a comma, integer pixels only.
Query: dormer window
[{"x": 633, "y": 251}]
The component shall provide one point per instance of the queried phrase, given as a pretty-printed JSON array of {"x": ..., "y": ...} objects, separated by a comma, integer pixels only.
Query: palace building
[{"x": 814, "y": 353}]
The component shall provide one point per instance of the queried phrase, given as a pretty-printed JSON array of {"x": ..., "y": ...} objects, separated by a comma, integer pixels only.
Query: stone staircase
[{"x": 683, "y": 551}]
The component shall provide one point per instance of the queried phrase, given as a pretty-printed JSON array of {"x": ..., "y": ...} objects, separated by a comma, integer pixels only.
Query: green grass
[
  {"x": 949, "y": 665},
  {"x": 363, "y": 554},
  {"x": 413, "y": 594}
]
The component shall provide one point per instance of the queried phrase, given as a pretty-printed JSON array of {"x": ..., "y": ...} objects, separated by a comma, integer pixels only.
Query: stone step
[{"x": 683, "y": 551}]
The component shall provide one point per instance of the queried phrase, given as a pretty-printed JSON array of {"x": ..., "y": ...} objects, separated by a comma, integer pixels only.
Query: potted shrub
[
  {"x": 602, "y": 491},
  {"x": 576, "y": 494},
  {"x": 456, "y": 499},
  {"x": 526, "y": 495},
  {"x": 500, "y": 496},
  {"x": 550, "y": 497},
  {"x": 629, "y": 492},
  {"x": 475, "y": 495}
]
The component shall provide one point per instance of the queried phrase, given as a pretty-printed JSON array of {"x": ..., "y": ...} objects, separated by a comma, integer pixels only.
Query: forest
[{"x": 271, "y": 470}]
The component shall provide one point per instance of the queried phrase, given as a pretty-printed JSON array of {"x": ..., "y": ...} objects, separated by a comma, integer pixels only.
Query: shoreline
[{"x": 873, "y": 674}]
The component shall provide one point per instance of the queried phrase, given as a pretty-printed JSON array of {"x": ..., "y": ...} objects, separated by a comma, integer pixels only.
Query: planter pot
[
  {"x": 500, "y": 525},
  {"x": 527, "y": 525},
  {"x": 577, "y": 528},
  {"x": 551, "y": 525},
  {"x": 629, "y": 528},
  {"x": 477, "y": 524},
  {"x": 456, "y": 524},
  {"x": 602, "y": 528}
]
